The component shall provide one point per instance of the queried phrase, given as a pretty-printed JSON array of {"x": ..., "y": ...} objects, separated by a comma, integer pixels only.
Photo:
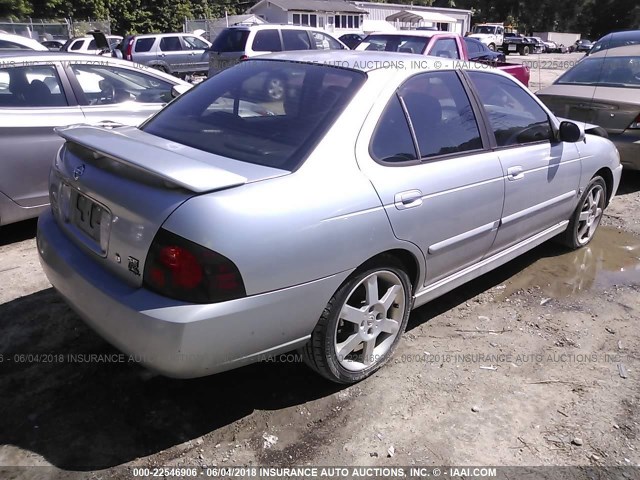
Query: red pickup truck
[{"x": 439, "y": 44}]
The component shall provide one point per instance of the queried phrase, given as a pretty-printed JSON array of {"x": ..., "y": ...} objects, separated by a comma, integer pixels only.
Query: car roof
[
  {"x": 412, "y": 33},
  {"x": 367, "y": 61},
  {"x": 626, "y": 51},
  {"x": 622, "y": 34},
  {"x": 89, "y": 37},
  {"x": 273, "y": 26},
  {"x": 158, "y": 34}
]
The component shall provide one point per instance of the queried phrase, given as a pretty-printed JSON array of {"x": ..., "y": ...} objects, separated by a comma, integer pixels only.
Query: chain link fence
[{"x": 50, "y": 29}]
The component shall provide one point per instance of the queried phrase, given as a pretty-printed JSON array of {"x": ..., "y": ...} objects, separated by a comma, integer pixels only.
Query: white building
[
  {"x": 412, "y": 16},
  {"x": 336, "y": 16}
]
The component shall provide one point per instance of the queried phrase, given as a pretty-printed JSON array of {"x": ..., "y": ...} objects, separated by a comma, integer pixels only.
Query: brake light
[
  {"x": 128, "y": 52},
  {"x": 636, "y": 123},
  {"x": 180, "y": 269}
]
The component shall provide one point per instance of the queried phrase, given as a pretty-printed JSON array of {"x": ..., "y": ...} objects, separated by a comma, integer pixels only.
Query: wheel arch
[
  {"x": 607, "y": 175},
  {"x": 406, "y": 258}
]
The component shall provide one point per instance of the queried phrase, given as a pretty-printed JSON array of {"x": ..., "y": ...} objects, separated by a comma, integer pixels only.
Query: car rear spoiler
[{"x": 159, "y": 160}]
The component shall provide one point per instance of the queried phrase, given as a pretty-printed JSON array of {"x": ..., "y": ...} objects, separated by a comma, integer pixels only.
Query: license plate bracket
[{"x": 86, "y": 215}]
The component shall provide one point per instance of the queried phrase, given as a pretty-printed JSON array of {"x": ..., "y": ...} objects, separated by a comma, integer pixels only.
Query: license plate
[
  {"x": 512, "y": 48},
  {"x": 87, "y": 215}
]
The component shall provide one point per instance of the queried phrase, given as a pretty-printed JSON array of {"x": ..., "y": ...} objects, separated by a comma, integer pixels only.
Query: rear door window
[
  {"x": 230, "y": 40},
  {"x": 325, "y": 42},
  {"x": 195, "y": 43},
  {"x": 446, "y": 48},
  {"x": 33, "y": 86},
  {"x": 267, "y": 41},
  {"x": 105, "y": 85},
  {"x": 144, "y": 44},
  {"x": 392, "y": 141},
  {"x": 296, "y": 40},
  {"x": 170, "y": 44},
  {"x": 76, "y": 45},
  {"x": 441, "y": 114}
]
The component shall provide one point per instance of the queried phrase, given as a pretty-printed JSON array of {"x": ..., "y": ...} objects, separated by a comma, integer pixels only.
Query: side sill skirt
[{"x": 447, "y": 284}]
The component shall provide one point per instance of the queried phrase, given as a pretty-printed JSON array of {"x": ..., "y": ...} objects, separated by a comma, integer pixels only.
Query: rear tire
[
  {"x": 160, "y": 68},
  {"x": 524, "y": 50},
  {"x": 362, "y": 324},
  {"x": 492, "y": 47},
  {"x": 587, "y": 215}
]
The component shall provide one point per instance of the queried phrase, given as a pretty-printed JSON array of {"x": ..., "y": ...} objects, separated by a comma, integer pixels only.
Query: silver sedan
[
  {"x": 40, "y": 91},
  {"x": 213, "y": 236}
]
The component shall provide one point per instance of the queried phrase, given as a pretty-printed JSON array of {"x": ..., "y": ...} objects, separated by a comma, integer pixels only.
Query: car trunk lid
[
  {"x": 603, "y": 106},
  {"x": 111, "y": 190}
]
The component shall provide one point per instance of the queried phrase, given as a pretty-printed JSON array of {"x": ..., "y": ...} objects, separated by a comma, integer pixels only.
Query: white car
[
  {"x": 88, "y": 44},
  {"x": 18, "y": 42}
]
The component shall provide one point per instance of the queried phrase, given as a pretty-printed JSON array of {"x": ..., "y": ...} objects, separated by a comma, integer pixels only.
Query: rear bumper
[
  {"x": 628, "y": 144},
  {"x": 174, "y": 338}
]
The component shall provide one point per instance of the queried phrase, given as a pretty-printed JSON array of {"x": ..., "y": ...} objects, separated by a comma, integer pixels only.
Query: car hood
[{"x": 480, "y": 36}]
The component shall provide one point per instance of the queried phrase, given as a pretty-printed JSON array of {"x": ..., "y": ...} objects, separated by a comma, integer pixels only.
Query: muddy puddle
[{"x": 612, "y": 258}]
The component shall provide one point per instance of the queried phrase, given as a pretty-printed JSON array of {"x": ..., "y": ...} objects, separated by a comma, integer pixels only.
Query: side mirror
[
  {"x": 570, "y": 132},
  {"x": 178, "y": 90}
]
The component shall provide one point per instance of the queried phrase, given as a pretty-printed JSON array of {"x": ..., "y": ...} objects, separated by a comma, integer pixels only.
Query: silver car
[
  {"x": 40, "y": 91},
  {"x": 210, "y": 238}
]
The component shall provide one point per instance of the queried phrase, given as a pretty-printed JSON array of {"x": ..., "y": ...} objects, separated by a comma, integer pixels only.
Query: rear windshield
[
  {"x": 264, "y": 112},
  {"x": 604, "y": 72},
  {"x": 230, "y": 40},
  {"x": 619, "y": 41},
  {"x": 394, "y": 43}
]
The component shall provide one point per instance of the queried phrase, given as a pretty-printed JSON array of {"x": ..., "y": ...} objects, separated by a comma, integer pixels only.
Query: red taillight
[
  {"x": 180, "y": 269},
  {"x": 183, "y": 265},
  {"x": 635, "y": 124},
  {"x": 128, "y": 52}
]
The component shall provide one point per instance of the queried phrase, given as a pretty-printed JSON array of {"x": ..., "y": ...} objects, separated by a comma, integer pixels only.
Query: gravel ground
[{"x": 533, "y": 364}]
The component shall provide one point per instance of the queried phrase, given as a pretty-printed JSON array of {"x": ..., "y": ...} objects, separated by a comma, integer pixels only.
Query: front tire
[
  {"x": 362, "y": 323},
  {"x": 587, "y": 215},
  {"x": 524, "y": 51},
  {"x": 492, "y": 47}
]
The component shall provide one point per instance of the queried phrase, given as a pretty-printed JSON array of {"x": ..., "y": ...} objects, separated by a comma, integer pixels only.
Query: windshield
[
  {"x": 230, "y": 40},
  {"x": 260, "y": 111},
  {"x": 484, "y": 29},
  {"x": 394, "y": 43},
  {"x": 606, "y": 71}
]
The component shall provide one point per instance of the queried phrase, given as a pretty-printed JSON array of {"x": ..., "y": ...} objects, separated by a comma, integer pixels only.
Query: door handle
[
  {"x": 408, "y": 199},
  {"x": 108, "y": 124},
  {"x": 515, "y": 173}
]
